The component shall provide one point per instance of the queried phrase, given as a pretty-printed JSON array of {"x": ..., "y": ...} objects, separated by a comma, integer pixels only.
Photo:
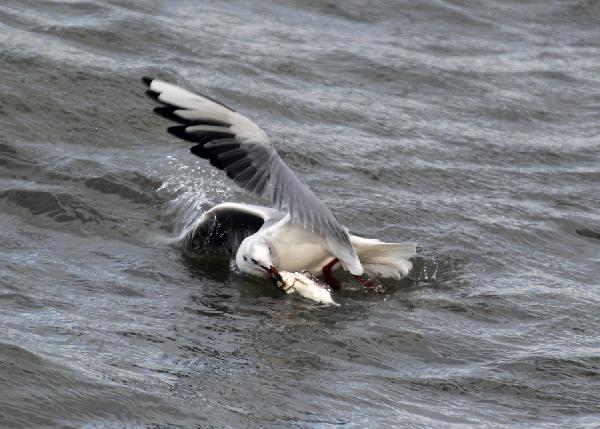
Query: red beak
[{"x": 275, "y": 276}]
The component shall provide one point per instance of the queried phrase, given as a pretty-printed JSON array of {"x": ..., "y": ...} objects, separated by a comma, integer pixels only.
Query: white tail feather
[{"x": 384, "y": 259}]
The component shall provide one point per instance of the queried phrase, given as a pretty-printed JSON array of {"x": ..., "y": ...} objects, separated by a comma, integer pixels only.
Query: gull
[{"x": 299, "y": 232}]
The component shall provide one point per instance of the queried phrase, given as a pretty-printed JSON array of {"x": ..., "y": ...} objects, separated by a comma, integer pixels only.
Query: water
[{"x": 469, "y": 127}]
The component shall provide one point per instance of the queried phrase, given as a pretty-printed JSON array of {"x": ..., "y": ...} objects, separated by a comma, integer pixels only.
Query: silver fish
[{"x": 305, "y": 285}]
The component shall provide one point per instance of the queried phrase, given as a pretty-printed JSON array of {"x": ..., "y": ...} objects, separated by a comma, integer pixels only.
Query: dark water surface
[{"x": 470, "y": 127}]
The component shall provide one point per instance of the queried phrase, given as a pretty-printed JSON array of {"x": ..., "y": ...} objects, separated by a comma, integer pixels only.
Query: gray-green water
[{"x": 469, "y": 127}]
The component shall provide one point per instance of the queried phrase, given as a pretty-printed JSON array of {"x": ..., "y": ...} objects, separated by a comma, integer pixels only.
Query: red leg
[
  {"x": 364, "y": 282},
  {"x": 331, "y": 281}
]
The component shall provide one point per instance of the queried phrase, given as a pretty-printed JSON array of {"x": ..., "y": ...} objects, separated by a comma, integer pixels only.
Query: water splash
[{"x": 192, "y": 189}]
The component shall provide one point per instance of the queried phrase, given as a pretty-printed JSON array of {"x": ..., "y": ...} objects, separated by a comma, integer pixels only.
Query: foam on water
[{"x": 191, "y": 187}]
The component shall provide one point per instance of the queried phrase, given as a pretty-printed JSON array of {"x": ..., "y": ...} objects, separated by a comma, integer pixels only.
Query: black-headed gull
[{"x": 299, "y": 232}]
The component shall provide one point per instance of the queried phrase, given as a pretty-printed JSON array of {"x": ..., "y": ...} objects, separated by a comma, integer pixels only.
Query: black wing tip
[
  {"x": 199, "y": 151},
  {"x": 153, "y": 95},
  {"x": 147, "y": 80},
  {"x": 164, "y": 110},
  {"x": 168, "y": 112},
  {"x": 178, "y": 131}
]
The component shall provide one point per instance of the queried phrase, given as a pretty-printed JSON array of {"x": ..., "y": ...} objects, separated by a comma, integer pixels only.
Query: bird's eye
[
  {"x": 254, "y": 260},
  {"x": 245, "y": 259}
]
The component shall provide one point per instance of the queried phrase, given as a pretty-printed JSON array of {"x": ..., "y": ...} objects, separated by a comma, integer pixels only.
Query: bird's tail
[{"x": 384, "y": 259}]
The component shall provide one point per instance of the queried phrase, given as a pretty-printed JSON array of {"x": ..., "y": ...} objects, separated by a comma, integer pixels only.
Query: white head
[{"x": 256, "y": 257}]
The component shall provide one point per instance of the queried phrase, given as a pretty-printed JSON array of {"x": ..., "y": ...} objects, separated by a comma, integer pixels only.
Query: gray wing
[{"x": 235, "y": 144}]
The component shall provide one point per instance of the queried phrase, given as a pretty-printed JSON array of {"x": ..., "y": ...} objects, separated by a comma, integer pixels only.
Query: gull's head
[{"x": 256, "y": 257}]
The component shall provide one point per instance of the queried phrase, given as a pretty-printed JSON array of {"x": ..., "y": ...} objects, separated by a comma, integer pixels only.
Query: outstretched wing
[{"x": 235, "y": 144}]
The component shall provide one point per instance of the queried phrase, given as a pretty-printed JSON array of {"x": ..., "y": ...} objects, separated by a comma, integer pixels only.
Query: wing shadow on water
[
  {"x": 217, "y": 266},
  {"x": 213, "y": 265}
]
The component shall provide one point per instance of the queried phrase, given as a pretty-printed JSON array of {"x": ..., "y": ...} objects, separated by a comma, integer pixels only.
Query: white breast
[{"x": 297, "y": 249}]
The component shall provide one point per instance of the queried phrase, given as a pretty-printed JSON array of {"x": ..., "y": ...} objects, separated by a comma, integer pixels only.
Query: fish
[{"x": 306, "y": 285}]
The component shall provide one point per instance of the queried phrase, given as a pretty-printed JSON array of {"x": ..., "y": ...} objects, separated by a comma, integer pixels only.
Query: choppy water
[{"x": 469, "y": 127}]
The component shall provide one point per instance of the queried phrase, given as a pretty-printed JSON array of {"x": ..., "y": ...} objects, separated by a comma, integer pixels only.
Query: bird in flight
[{"x": 298, "y": 232}]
